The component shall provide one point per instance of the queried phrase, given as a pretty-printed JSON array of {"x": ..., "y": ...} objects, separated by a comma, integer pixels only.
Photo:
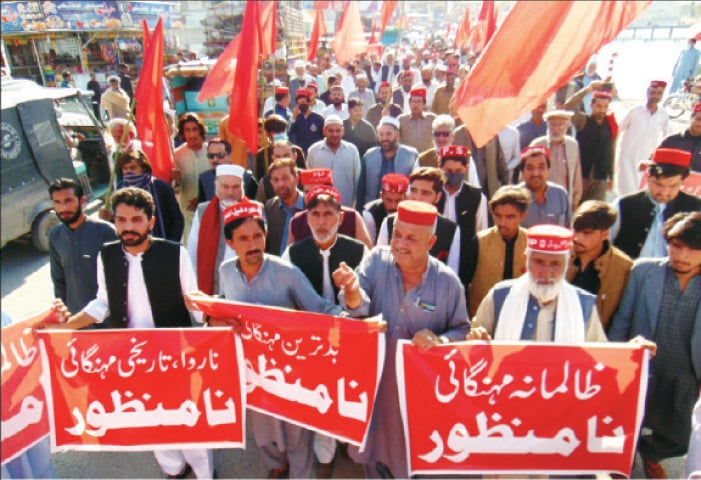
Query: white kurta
[{"x": 640, "y": 132}]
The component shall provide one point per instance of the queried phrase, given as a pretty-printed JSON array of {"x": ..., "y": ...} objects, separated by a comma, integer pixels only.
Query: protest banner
[
  {"x": 24, "y": 412},
  {"x": 314, "y": 370},
  {"x": 144, "y": 389},
  {"x": 521, "y": 408}
]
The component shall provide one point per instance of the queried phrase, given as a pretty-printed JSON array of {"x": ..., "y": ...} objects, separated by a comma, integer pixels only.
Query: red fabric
[
  {"x": 549, "y": 238},
  {"x": 512, "y": 78},
  {"x": 221, "y": 77},
  {"x": 417, "y": 213},
  {"x": 207, "y": 246},
  {"x": 147, "y": 35},
  {"x": 316, "y": 33},
  {"x": 386, "y": 14},
  {"x": 403, "y": 22},
  {"x": 267, "y": 23},
  {"x": 372, "y": 35},
  {"x": 464, "y": 29},
  {"x": 672, "y": 156},
  {"x": 613, "y": 125},
  {"x": 150, "y": 119},
  {"x": 485, "y": 27},
  {"x": 349, "y": 40}
]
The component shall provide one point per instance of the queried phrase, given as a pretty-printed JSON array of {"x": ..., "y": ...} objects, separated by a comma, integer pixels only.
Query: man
[
  {"x": 550, "y": 204},
  {"x": 141, "y": 283},
  {"x": 125, "y": 80},
  {"x": 640, "y": 130},
  {"x": 331, "y": 81},
  {"x": 374, "y": 73},
  {"x": 638, "y": 229},
  {"x": 401, "y": 95},
  {"x": 533, "y": 128},
  {"x": 426, "y": 185},
  {"x": 301, "y": 80},
  {"x": 415, "y": 124},
  {"x": 389, "y": 157},
  {"x": 583, "y": 80},
  {"x": 565, "y": 169},
  {"x": 190, "y": 160},
  {"x": 256, "y": 277},
  {"x": 442, "y": 128},
  {"x": 115, "y": 100},
  {"x": 686, "y": 66},
  {"x": 662, "y": 303},
  {"x": 510, "y": 144},
  {"x": 383, "y": 107},
  {"x": 540, "y": 306},
  {"x": 420, "y": 299},
  {"x": 94, "y": 86},
  {"x": 306, "y": 126},
  {"x": 489, "y": 161},
  {"x": 689, "y": 139},
  {"x": 337, "y": 105},
  {"x": 597, "y": 266},
  {"x": 358, "y": 131},
  {"x": 497, "y": 253},
  {"x": 280, "y": 209},
  {"x": 205, "y": 245},
  {"x": 394, "y": 187},
  {"x": 596, "y": 135},
  {"x": 390, "y": 70},
  {"x": 428, "y": 83},
  {"x": 317, "y": 78},
  {"x": 280, "y": 149},
  {"x": 362, "y": 92},
  {"x": 282, "y": 104},
  {"x": 316, "y": 104},
  {"x": 74, "y": 245},
  {"x": 275, "y": 128},
  {"x": 338, "y": 155},
  {"x": 219, "y": 153}
]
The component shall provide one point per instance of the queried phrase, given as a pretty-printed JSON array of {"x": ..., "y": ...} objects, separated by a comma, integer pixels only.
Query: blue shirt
[
  {"x": 528, "y": 132},
  {"x": 556, "y": 210},
  {"x": 305, "y": 131}
]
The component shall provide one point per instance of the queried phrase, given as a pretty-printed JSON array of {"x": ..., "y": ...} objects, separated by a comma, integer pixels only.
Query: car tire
[{"x": 40, "y": 230}]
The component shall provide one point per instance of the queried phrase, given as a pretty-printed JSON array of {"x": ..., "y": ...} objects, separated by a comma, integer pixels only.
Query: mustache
[{"x": 254, "y": 252}]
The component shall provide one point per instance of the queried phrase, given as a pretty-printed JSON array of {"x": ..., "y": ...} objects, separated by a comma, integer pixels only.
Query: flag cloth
[
  {"x": 373, "y": 39},
  {"x": 386, "y": 14},
  {"x": 267, "y": 22},
  {"x": 485, "y": 28},
  {"x": 243, "y": 106},
  {"x": 510, "y": 79},
  {"x": 349, "y": 40},
  {"x": 464, "y": 29},
  {"x": 221, "y": 77},
  {"x": 150, "y": 119},
  {"x": 317, "y": 30},
  {"x": 147, "y": 35}
]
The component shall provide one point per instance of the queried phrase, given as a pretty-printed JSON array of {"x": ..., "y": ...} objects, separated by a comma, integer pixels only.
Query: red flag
[
  {"x": 221, "y": 77},
  {"x": 150, "y": 119},
  {"x": 386, "y": 14},
  {"x": 402, "y": 22},
  {"x": 372, "y": 39},
  {"x": 243, "y": 121},
  {"x": 447, "y": 30},
  {"x": 147, "y": 35},
  {"x": 486, "y": 26},
  {"x": 267, "y": 22},
  {"x": 317, "y": 30},
  {"x": 509, "y": 80},
  {"x": 349, "y": 40},
  {"x": 463, "y": 33}
]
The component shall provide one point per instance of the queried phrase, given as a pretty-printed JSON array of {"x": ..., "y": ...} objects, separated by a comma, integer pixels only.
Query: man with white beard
[{"x": 540, "y": 305}]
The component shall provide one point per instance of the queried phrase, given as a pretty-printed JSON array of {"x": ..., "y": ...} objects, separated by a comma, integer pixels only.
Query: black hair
[
  {"x": 134, "y": 197},
  {"x": 658, "y": 170},
  {"x": 64, "y": 183},
  {"x": 234, "y": 224},
  {"x": 685, "y": 227},
  {"x": 594, "y": 215}
]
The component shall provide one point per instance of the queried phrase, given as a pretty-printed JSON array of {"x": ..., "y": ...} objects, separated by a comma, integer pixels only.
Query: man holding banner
[{"x": 421, "y": 299}]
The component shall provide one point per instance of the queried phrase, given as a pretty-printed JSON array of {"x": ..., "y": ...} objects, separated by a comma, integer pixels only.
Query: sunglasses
[
  {"x": 216, "y": 155},
  {"x": 441, "y": 134}
]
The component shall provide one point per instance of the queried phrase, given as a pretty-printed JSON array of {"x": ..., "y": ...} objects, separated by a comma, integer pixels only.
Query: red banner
[
  {"x": 145, "y": 389},
  {"x": 317, "y": 371},
  {"x": 521, "y": 408},
  {"x": 692, "y": 183},
  {"x": 24, "y": 418}
]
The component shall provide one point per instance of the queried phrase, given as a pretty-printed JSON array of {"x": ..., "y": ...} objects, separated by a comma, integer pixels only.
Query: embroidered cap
[
  {"x": 532, "y": 150},
  {"x": 226, "y": 169},
  {"x": 245, "y": 208},
  {"x": 566, "y": 114},
  {"x": 303, "y": 93},
  {"x": 454, "y": 151},
  {"x": 672, "y": 156},
  {"x": 395, "y": 183},
  {"x": 313, "y": 85},
  {"x": 316, "y": 176},
  {"x": 658, "y": 83},
  {"x": 602, "y": 94},
  {"x": 281, "y": 90},
  {"x": 322, "y": 190},
  {"x": 549, "y": 238},
  {"x": 384, "y": 84},
  {"x": 418, "y": 92},
  {"x": 417, "y": 213}
]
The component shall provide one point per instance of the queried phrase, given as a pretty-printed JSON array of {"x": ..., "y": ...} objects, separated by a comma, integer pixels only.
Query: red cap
[
  {"x": 530, "y": 151},
  {"x": 316, "y": 176},
  {"x": 245, "y": 208},
  {"x": 322, "y": 190},
  {"x": 658, "y": 83},
  {"x": 417, "y": 213},
  {"x": 549, "y": 238},
  {"x": 384, "y": 84},
  {"x": 281, "y": 90},
  {"x": 418, "y": 92},
  {"x": 303, "y": 93},
  {"x": 697, "y": 107},
  {"x": 313, "y": 85},
  {"x": 407, "y": 72},
  {"x": 672, "y": 156},
  {"x": 453, "y": 151},
  {"x": 395, "y": 183},
  {"x": 602, "y": 94}
]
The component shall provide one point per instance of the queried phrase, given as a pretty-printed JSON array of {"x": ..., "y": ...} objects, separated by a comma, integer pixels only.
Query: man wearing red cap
[
  {"x": 641, "y": 215},
  {"x": 662, "y": 302},
  {"x": 489, "y": 160},
  {"x": 551, "y": 203},
  {"x": 641, "y": 130},
  {"x": 540, "y": 305},
  {"x": 384, "y": 107},
  {"x": 401, "y": 94},
  {"x": 441, "y": 99},
  {"x": 415, "y": 124},
  {"x": 689, "y": 139},
  {"x": 394, "y": 187},
  {"x": 282, "y": 104},
  {"x": 596, "y": 134},
  {"x": 420, "y": 299},
  {"x": 256, "y": 277},
  {"x": 306, "y": 126}
]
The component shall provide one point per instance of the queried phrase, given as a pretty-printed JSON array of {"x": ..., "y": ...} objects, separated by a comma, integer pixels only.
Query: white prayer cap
[
  {"x": 333, "y": 120},
  {"x": 113, "y": 78},
  {"x": 299, "y": 64},
  {"x": 566, "y": 114},
  {"x": 227, "y": 169},
  {"x": 389, "y": 120}
]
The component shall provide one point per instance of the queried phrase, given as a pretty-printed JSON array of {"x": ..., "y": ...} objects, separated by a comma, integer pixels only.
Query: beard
[
  {"x": 545, "y": 291},
  {"x": 133, "y": 242},
  {"x": 325, "y": 236},
  {"x": 70, "y": 217}
]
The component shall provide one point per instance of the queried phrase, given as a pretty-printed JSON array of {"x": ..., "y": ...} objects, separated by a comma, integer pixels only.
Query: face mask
[
  {"x": 280, "y": 137},
  {"x": 304, "y": 108},
  {"x": 454, "y": 179}
]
